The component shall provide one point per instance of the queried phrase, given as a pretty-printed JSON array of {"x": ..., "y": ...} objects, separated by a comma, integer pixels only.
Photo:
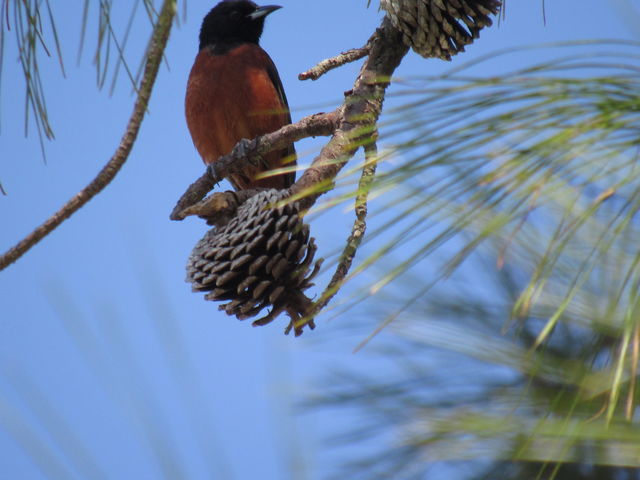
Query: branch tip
[{"x": 330, "y": 63}]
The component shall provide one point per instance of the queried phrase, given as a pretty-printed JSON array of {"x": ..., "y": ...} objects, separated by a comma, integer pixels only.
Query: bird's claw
[
  {"x": 212, "y": 169},
  {"x": 246, "y": 148}
]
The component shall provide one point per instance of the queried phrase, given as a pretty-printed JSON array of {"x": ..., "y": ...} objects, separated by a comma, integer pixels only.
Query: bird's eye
[{"x": 235, "y": 15}]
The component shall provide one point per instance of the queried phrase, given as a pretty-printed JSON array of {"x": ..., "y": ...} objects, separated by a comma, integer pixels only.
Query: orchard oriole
[{"x": 234, "y": 91}]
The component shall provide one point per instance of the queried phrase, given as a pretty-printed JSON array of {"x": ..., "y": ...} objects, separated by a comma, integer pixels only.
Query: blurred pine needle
[{"x": 504, "y": 204}]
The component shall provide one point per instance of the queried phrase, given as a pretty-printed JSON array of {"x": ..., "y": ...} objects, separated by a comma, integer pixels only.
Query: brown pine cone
[
  {"x": 440, "y": 28},
  {"x": 262, "y": 258}
]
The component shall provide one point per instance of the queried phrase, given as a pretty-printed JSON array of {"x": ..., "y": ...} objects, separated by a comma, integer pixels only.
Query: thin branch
[
  {"x": 250, "y": 152},
  {"x": 158, "y": 43},
  {"x": 334, "y": 62},
  {"x": 217, "y": 209},
  {"x": 194, "y": 194},
  {"x": 357, "y": 232}
]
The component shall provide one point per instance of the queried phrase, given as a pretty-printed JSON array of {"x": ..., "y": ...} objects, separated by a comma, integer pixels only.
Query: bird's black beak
[{"x": 261, "y": 12}]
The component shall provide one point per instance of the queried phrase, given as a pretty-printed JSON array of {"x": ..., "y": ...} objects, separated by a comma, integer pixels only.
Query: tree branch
[
  {"x": 218, "y": 208},
  {"x": 361, "y": 111},
  {"x": 334, "y": 62},
  {"x": 157, "y": 46},
  {"x": 357, "y": 233},
  {"x": 250, "y": 152}
]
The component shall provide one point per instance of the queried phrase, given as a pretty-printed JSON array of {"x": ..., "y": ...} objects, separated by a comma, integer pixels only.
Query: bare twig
[
  {"x": 251, "y": 151},
  {"x": 219, "y": 207},
  {"x": 157, "y": 46},
  {"x": 334, "y": 62},
  {"x": 194, "y": 194},
  {"x": 357, "y": 232}
]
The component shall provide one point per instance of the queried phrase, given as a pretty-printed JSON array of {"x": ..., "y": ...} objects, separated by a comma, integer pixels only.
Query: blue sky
[{"x": 108, "y": 363}]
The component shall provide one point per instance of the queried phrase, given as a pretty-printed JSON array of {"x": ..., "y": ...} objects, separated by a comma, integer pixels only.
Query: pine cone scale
[{"x": 440, "y": 28}]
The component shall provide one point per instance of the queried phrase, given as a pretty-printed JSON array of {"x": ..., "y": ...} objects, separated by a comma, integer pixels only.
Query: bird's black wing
[{"x": 272, "y": 71}]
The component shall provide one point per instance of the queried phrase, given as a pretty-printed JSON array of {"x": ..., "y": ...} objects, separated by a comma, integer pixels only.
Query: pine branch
[
  {"x": 158, "y": 43},
  {"x": 250, "y": 152},
  {"x": 330, "y": 63},
  {"x": 357, "y": 232},
  {"x": 360, "y": 112}
]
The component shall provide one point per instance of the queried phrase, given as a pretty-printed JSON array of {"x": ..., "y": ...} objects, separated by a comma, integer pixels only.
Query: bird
[{"x": 234, "y": 92}]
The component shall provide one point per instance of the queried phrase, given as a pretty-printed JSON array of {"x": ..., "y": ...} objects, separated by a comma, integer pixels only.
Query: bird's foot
[
  {"x": 214, "y": 172},
  {"x": 246, "y": 148}
]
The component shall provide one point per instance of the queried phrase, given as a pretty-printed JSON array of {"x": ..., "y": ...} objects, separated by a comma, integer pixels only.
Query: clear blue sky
[{"x": 108, "y": 363}]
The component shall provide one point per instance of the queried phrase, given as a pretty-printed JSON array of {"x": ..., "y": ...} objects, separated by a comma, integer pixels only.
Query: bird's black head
[{"x": 234, "y": 21}]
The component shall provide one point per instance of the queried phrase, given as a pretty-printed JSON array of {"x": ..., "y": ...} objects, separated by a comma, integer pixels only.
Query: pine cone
[
  {"x": 261, "y": 258},
  {"x": 440, "y": 28}
]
